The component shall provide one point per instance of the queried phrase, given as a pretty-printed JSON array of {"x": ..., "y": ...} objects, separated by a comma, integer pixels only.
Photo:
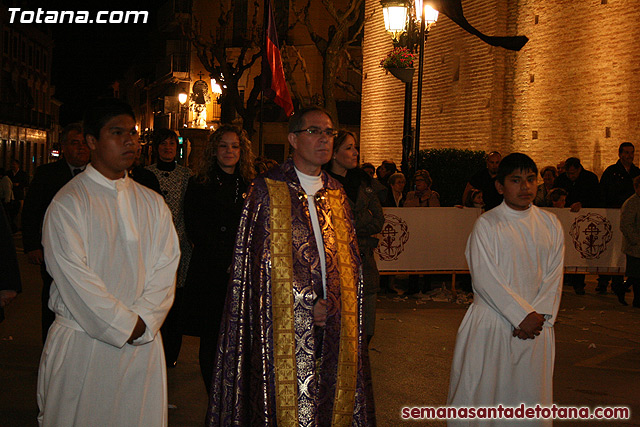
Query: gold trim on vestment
[
  {"x": 284, "y": 343},
  {"x": 344, "y": 402}
]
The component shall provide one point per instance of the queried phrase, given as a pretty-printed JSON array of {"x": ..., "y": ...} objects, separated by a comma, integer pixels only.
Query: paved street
[{"x": 597, "y": 357}]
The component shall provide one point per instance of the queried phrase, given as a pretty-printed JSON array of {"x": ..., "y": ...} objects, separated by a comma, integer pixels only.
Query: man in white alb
[
  {"x": 505, "y": 346},
  {"x": 112, "y": 251}
]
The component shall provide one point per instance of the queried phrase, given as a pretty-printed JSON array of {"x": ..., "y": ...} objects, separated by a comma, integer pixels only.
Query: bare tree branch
[{"x": 348, "y": 87}]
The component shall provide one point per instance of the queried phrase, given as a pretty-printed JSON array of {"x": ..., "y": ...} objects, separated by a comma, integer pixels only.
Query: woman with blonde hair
[{"x": 213, "y": 204}]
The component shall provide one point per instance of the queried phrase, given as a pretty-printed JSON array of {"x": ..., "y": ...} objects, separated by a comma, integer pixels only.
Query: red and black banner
[{"x": 274, "y": 85}]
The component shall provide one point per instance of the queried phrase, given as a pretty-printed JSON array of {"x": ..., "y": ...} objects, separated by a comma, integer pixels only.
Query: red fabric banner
[{"x": 274, "y": 84}]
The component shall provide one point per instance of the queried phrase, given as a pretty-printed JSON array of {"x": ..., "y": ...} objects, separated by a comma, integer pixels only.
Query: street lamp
[
  {"x": 395, "y": 16},
  {"x": 182, "y": 99},
  {"x": 427, "y": 19},
  {"x": 404, "y": 30}
]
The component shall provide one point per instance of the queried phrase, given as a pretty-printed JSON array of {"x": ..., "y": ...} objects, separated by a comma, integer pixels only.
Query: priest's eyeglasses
[{"x": 315, "y": 131}]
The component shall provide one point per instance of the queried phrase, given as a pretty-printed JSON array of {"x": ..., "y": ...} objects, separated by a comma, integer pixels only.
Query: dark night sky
[{"x": 88, "y": 57}]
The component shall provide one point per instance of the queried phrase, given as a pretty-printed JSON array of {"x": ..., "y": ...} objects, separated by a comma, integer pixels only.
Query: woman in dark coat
[
  {"x": 212, "y": 208},
  {"x": 172, "y": 180},
  {"x": 367, "y": 213}
]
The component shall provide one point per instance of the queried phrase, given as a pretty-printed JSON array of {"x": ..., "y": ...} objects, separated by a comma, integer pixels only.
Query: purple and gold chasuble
[{"x": 273, "y": 367}]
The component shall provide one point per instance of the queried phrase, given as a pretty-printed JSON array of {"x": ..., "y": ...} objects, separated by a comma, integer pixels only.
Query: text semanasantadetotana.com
[
  {"x": 41, "y": 16},
  {"x": 521, "y": 412}
]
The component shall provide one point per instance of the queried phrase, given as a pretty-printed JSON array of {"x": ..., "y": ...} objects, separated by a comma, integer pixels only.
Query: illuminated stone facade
[{"x": 571, "y": 91}]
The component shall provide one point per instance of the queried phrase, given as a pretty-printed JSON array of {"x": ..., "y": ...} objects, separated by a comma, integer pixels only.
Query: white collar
[{"x": 99, "y": 178}]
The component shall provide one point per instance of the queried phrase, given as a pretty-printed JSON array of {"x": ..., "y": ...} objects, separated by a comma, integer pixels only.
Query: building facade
[
  {"x": 571, "y": 91},
  {"x": 28, "y": 113},
  {"x": 154, "y": 92}
]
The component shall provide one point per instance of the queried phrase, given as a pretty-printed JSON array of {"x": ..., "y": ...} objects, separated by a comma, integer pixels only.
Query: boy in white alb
[
  {"x": 112, "y": 250},
  {"x": 505, "y": 346}
]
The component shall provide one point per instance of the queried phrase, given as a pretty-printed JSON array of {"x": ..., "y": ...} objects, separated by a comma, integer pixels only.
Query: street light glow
[
  {"x": 182, "y": 97},
  {"x": 215, "y": 87},
  {"x": 395, "y": 16},
  {"x": 430, "y": 14}
]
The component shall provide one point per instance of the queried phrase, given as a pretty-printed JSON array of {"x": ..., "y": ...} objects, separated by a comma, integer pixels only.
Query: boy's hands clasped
[{"x": 530, "y": 327}]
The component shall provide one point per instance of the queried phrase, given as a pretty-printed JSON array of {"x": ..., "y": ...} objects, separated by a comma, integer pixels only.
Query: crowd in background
[{"x": 206, "y": 206}]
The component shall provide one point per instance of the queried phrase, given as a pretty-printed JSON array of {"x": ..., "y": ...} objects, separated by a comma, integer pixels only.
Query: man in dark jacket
[
  {"x": 47, "y": 180},
  {"x": 583, "y": 192},
  {"x": 617, "y": 180},
  {"x": 485, "y": 181},
  {"x": 581, "y": 184},
  {"x": 616, "y": 186},
  {"x": 10, "y": 284},
  {"x": 20, "y": 181}
]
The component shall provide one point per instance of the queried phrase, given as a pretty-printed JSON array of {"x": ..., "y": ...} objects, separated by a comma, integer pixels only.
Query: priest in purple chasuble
[{"x": 292, "y": 350}]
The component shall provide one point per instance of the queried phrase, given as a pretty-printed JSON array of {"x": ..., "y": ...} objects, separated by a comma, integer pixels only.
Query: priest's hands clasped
[{"x": 320, "y": 312}]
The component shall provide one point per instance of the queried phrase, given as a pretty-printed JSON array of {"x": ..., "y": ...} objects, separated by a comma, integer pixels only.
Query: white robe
[
  {"x": 516, "y": 262},
  {"x": 112, "y": 251}
]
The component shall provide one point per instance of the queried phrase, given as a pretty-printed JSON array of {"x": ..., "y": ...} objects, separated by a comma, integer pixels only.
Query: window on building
[
  {"x": 44, "y": 61},
  {"x": 30, "y": 56},
  {"x": 23, "y": 52},
  {"x": 14, "y": 43},
  {"x": 38, "y": 53}
]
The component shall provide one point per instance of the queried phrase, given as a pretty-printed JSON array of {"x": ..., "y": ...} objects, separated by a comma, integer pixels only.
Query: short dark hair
[
  {"x": 555, "y": 194},
  {"x": 297, "y": 119},
  {"x": 162, "y": 135},
  {"x": 514, "y": 162},
  {"x": 158, "y": 137},
  {"x": 551, "y": 169},
  {"x": 368, "y": 166},
  {"x": 101, "y": 111},
  {"x": 389, "y": 166},
  {"x": 468, "y": 202},
  {"x": 625, "y": 144},
  {"x": 71, "y": 127},
  {"x": 572, "y": 162}
]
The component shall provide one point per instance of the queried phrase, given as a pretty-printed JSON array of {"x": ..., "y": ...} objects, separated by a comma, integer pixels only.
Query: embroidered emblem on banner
[
  {"x": 394, "y": 235},
  {"x": 591, "y": 233}
]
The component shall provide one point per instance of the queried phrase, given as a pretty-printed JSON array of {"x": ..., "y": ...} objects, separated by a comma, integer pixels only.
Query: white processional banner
[
  {"x": 592, "y": 240},
  {"x": 434, "y": 239},
  {"x": 425, "y": 239}
]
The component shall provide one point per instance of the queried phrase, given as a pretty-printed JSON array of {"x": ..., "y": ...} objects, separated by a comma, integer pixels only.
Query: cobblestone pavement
[{"x": 597, "y": 357}]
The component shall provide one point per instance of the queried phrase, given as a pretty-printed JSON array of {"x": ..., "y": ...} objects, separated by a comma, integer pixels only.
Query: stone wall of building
[{"x": 571, "y": 91}]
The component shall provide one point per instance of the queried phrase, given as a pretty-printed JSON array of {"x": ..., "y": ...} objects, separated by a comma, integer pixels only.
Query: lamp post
[
  {"x": 182, "y": 99},
  {"x": 401, "y": 20},
  {"x": 428, "y": 17},
  {"x": 396, "y": 22}
]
